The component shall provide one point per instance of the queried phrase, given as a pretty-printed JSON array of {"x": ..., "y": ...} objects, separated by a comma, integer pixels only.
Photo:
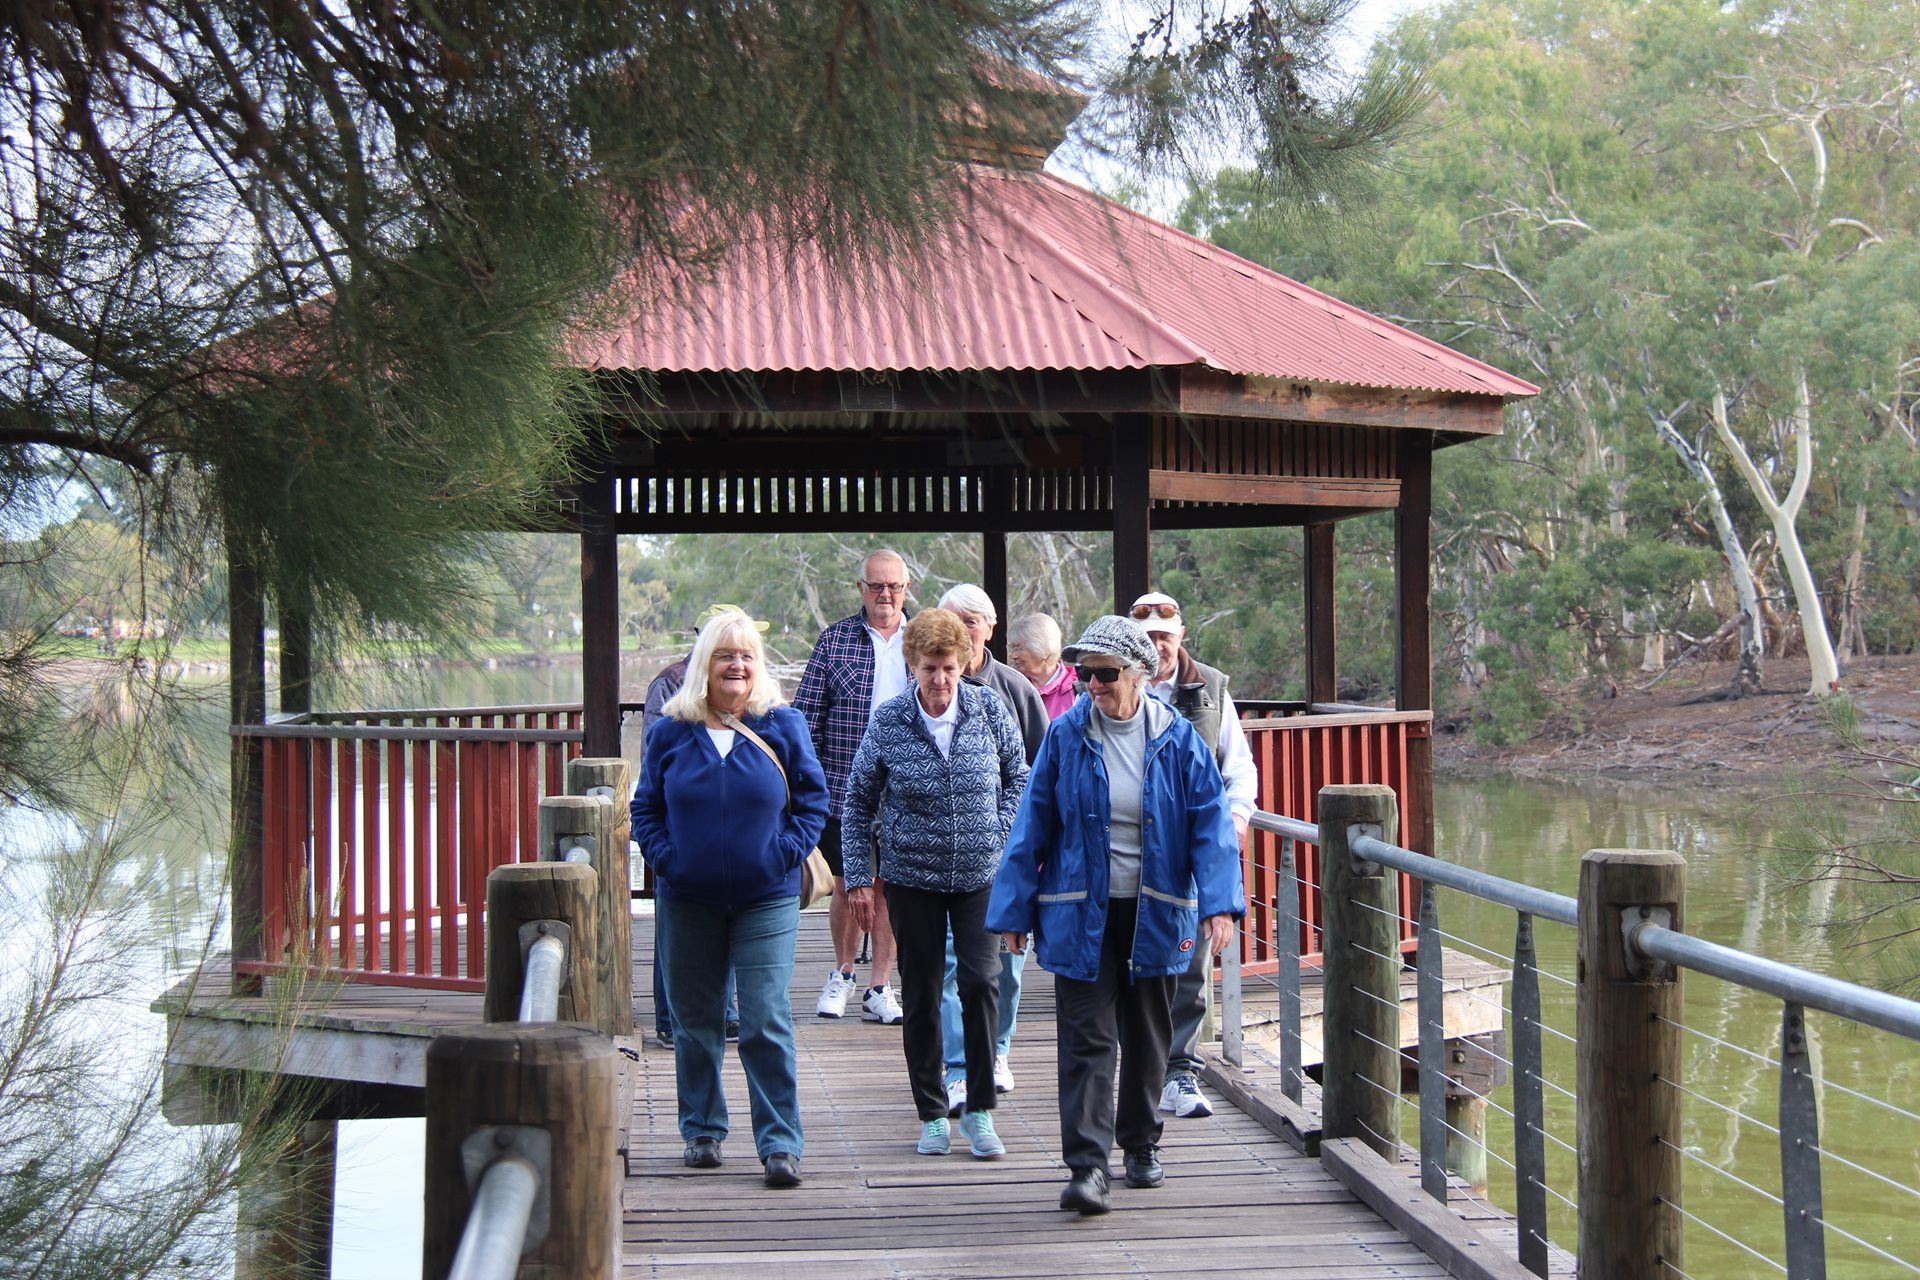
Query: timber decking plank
[{"x": 1237, "y": 1199}]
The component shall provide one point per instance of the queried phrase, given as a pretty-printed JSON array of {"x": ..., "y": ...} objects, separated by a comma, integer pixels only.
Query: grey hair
[
  {"x": 879, "y": 553},
  {"x": 968, "y": 598},
  {"x": 1038, "y": 634}
]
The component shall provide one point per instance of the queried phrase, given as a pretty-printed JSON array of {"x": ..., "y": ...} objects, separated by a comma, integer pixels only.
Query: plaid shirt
[{"x": 835, "y": 695}]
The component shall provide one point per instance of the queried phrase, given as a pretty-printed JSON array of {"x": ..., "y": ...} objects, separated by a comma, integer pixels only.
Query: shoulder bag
[{"x": 816, "y": 877}]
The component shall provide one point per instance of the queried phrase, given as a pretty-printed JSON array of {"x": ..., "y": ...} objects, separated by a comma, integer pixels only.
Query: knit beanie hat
[{"x": 1116, "y": 637}]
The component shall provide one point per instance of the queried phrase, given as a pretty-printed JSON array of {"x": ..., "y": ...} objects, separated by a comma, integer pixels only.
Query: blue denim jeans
[
  {"x": 662, "y": 1015},
  {"x": 952, "y": 1045},
  {"x": 699, "y": 943}
]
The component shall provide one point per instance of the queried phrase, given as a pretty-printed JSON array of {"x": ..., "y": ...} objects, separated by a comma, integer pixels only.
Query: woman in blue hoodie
[{"x": 731, "y": 800}]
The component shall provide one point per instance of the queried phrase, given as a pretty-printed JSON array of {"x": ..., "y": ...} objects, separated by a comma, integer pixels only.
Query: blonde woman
[{"x": 731, "y": 800}]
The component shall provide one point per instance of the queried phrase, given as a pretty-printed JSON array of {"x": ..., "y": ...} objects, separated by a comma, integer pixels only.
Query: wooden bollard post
[
  {"x": 1629, "y": 1043},
  {"x": 1360, "y": 1081},
  {"x": 502, "y": 1083},
  {"x": 283, "y": 1228},
  {"x": 591, "y": 816},
  {"x": 616, "y": 903},
  {"x": 522, "y": 893}
]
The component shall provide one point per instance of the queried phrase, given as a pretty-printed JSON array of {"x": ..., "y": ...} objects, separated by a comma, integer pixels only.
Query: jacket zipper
[{"x": 1146, "y": 768}]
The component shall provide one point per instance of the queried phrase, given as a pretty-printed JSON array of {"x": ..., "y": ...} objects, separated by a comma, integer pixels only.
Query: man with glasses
[
  {"x": 1199, "y": 693},
  {"x": 857, "y": 664}
]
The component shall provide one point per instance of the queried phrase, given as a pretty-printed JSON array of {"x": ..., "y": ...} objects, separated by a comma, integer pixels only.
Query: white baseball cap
[{"x": 1157, "y": 611}]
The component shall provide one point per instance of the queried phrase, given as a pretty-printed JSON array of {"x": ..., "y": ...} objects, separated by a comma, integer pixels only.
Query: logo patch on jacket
[{"x": 1186, "y": 944}]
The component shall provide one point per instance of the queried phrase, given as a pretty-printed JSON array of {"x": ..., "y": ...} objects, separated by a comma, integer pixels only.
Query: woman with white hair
[
  {"x": 974, "y": 608},
  {"x": 1122, "y": 861},
  {"x": 731, "y": 800},
  {"x": 1033, "y": 649}
]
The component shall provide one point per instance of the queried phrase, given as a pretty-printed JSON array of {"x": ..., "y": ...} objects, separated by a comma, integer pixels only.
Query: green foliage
[{"x": 1636, "y": 205}]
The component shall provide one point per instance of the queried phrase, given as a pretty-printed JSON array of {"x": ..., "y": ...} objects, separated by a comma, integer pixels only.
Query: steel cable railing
[{"x": 1646, "y": 941}]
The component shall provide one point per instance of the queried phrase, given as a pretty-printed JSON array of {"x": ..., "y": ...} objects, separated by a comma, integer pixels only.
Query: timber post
[
  {"x": 612, "y": 778},
  {"x": 577, "y": 829},
  {"x": 283, "y": 1225},
  {"x": 542, "y": 1094},
  {"x": 247, "y": 692},
  {"x": 1360, "y": 1081},
  {"x": 1630, "y": 1059},
  {"x": 526, "y": 900}
]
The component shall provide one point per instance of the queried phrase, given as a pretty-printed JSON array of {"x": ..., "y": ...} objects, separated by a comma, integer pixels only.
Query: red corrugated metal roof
[{"x": 1034, "y": 274}]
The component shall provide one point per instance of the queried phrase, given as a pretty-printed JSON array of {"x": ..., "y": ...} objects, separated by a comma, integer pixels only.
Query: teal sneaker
[
  {"x": 978, "y": 1126},
  {"x": 936, "y": 1138}
]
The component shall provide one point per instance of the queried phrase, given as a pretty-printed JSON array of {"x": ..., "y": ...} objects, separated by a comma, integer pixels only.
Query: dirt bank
[{"x": 1678, "y": 724}]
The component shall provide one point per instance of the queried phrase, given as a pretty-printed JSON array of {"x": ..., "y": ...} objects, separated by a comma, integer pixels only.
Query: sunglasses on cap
[
  {"x": 1105, "y": 675},
  {"x": 1141, "y": 612}
]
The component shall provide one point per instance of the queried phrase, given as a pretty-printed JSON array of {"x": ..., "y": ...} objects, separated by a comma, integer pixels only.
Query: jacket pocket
[{"x": 1170, "y": 926}]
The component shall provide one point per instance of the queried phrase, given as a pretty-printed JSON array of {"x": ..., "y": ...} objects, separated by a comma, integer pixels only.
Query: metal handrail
[
  {"x": 540, "y": 990},
  {"x": 1507, "y": 893},
  {"x": 1645, "y": 933},
  {"x": 1850, "y": 1000},
  {"x": 496, "y": 1232}
]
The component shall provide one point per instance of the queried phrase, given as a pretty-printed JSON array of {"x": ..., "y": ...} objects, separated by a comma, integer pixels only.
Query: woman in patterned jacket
[{"x": 941, "y": 768}]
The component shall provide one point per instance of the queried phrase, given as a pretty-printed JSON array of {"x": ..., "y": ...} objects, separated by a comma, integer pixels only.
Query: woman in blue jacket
[
  {"x": 1122, "y": 860},
  {"x": 731, "y": 800}
]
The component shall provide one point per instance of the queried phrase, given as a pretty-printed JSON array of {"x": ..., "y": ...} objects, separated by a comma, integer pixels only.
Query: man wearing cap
[
  {"x": 857, "y": 665},
  {"x": 1199, "y": 693}
]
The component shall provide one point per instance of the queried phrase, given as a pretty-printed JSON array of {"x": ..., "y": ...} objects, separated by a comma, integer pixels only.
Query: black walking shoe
[
  {"x": 702, "y": 1153},
  {"x": 783, "y": 1170},
  {"x": 733, "y": 1033},
  {"x": 1087, "y": 1192},
  {"x": 1143, "y": 1168}
]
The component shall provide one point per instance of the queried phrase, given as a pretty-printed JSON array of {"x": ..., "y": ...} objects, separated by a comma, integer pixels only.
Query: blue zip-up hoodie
[
  {"x": 1052, "y": 881},
  {"x": 718, "y": 831}
]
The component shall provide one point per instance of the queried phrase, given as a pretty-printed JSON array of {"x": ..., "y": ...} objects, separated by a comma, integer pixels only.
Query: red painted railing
[
  {"x": 1296, "y": 756},
  {"x": 379, "y": 829}
]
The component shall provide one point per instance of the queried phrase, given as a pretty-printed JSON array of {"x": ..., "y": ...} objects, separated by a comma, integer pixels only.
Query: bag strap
[{"x": 733, "y": 722}]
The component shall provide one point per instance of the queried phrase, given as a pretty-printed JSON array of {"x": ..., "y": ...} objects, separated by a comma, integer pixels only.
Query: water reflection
[{"x": 1738, "y": 893}]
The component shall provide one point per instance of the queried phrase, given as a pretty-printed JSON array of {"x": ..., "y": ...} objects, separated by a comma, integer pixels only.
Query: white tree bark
[
  {"x": 1783, "y": 513},
  {"x": 1753, "y": 636}
]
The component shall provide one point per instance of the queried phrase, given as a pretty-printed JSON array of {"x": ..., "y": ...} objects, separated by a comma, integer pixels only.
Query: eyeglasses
[
  {"x": 727, "y": 657},
  {"x": 1105, "y": 675},
  {"x": 1141, "y": 612},
  {"x": 885, "y": 588}
]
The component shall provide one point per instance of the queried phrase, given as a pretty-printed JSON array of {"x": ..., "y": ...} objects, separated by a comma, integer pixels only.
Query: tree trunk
[
  {"x": 1748, "y": 671},
  {"x": 1853, "y": 633},
  {"x": 1825, "y": 669}
]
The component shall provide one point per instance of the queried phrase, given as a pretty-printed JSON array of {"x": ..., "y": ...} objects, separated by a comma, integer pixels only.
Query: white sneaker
[
  {"x": 833, "y": 996},
  {"x": 882, "y": 1006},
  {"x": 1002, "y": 1074},
  {"x": 956, "y": 1096},
  {"x": 1182, "y": 1097}
]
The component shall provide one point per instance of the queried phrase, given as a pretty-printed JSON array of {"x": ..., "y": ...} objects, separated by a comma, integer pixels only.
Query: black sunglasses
[{"x": 1105, "y": 675}]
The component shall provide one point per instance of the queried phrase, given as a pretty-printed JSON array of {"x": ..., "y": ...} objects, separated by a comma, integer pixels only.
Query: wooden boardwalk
[{"x": 1237, "y": 1201}]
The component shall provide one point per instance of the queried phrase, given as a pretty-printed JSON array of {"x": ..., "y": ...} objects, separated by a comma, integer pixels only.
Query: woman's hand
[
  {"x": 1016, "y": 942},
  {"x": 1218, "y": 931},
  {"x": 861, "y": 901}
]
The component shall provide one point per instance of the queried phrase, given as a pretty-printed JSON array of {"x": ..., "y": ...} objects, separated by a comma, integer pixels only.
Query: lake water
[{"x": 1738, "y": 893}]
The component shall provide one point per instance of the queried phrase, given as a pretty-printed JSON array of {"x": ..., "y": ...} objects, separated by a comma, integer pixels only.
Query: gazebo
[{"x": 1053, "y": 361}]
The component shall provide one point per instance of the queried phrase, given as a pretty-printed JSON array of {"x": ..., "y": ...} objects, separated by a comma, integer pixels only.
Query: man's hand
[
  {"x": 1016, "y": 943},
  {"x": 1240, "y": 827},
  {"x": 860, "y": 901},
  {"x": 1218, "y": 931}
]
